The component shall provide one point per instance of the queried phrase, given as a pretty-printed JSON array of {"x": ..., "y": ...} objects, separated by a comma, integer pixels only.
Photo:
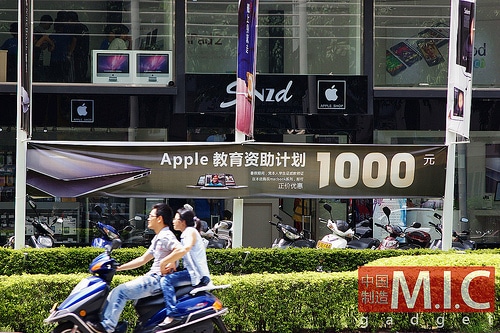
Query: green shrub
[{"x": 266, "y": 301}]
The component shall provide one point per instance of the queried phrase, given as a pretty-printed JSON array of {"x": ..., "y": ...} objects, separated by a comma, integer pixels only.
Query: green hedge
[
  {"x": 235, "y": 261},
  {"x": 265, "y": 302}
]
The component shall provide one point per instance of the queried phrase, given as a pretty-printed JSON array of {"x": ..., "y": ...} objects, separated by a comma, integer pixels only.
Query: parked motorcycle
[
  {"x": 43, "y": 234},
  {"x": 414, "y": 236},
  {"x": 291, "y": 237},
  {"x": 457, "y": 243},
  {"x": 107, "y": 233},
  {"x": 340, "y": 236},
  {"x": 200, "y": 309},
  {"x": 344, "y": 237}
]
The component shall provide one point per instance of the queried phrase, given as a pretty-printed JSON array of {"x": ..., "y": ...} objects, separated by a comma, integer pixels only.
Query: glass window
[
  {"x": 294, "y": 37},
  {"x": 66, "y": 33},
  {"x": 401, "y": 30},
  {"x": 411, "y": 43}
]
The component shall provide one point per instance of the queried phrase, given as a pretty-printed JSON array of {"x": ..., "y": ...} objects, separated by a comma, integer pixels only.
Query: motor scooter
[
  {"x": 344, "y": 237},
  {"x": 414, "y": 237},
  {"x": 129, "y": 235},
  {"x": 107, "y": 233},
  {"x": 457, "y": 243},
  {"x": 43, "y": 234},
  {"x": 200, "y": 309},
  {"x": 340, "y": 236},
  {"x": 291, "y": 237}
]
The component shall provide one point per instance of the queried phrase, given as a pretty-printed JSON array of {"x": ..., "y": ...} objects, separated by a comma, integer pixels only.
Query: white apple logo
[
  {"x": 331, "y": 94},
  {"x": 82, "y": 110}
]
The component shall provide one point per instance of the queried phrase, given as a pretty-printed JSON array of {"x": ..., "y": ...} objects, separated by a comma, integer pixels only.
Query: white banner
[{"x": 460, "y": 64}]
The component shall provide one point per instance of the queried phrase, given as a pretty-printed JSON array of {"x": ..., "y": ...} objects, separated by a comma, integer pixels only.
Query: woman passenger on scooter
[{"x": 194, "y": 260}]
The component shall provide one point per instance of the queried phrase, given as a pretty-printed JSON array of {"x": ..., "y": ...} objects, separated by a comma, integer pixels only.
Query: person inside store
[
  {"x": 61, "y": 69},
  {"x": 109, "y": 32},
  {"x": 10, "y": 45},
  {"x": 80, "y": 46},
  {"x": 41, "y": 45},
  {"x": 163, "y": 244},
  {"x": 122, "y": 40},
  {"x": 194, "y": 259}
]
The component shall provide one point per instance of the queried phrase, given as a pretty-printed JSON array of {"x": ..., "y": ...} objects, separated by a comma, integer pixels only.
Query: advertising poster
[
  {"x": 229, "y": 170},
  {"x": 461, "y": 55},
  {"x": 246, "y": 69}
]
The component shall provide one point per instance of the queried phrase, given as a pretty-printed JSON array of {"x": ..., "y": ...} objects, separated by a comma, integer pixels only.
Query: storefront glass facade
[
  {"x": 382, "y": 40},
  {"x": 411, "y": 43}
]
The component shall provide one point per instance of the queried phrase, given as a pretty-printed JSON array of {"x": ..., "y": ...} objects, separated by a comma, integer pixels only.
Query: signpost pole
[{"x": 23, "y": 128}]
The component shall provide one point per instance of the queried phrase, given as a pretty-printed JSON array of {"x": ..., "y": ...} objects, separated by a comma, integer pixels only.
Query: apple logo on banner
[
  {"x": 82, "y": 110},
  {"x": 331, "y": 94}
]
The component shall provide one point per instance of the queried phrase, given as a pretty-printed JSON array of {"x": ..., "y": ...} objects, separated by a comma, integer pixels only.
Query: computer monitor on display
[
  {"x": 111, "y": 66},
  {"x": 153, "y": 67}
]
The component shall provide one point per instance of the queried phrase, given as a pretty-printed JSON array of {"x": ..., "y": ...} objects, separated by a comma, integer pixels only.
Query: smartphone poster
[
  {"x": 461, "y": 53},
  {"x": 465, "y": 35}
]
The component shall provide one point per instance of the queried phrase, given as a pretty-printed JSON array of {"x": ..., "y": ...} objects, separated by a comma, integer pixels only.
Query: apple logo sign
[
  {"x": 331, "y": 94},
  {"x": 82, "y": 110}
]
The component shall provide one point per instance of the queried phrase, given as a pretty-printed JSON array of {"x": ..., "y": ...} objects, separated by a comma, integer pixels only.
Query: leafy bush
[{"x": 265, "y": 301}]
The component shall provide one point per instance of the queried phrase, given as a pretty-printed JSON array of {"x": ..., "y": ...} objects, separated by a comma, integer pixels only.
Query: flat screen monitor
[
  {"x": 153, "y": 67},
  {"x": 112, "y": 66}
]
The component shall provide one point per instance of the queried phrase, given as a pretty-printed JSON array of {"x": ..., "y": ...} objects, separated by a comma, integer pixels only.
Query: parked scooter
[
  {"x": 344, "y": 237},
  {"x": 457, "y": 243},
  {"x": 107, "y": 233},
  {"x": 43, "y": 234},
  {"x": 218, "y": 237},
  {"x": 414, "y": 237},
  {"x": 291, "y": 237},
  {"x": 200, "y": 309},
  {"x": 340, "y": 236}
]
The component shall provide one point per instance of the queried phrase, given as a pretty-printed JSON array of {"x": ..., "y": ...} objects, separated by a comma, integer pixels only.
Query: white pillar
[{"x": 237, "y": 223}]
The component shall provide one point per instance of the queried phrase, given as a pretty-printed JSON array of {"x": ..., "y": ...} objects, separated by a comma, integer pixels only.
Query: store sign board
[
  {"x": 243, "y": 170},
  {"x": 280, "y": 94}
]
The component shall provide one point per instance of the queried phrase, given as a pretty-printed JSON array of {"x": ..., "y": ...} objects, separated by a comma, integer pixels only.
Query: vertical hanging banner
[
  {"x": 246, "y": 69},
  {"x": 25, "y": 59},
  {"x": 461, "y": 57}
]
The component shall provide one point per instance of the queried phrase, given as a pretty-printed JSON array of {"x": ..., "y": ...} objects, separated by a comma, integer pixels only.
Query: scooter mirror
[
  {"x": 436, "y": 215},
  {"x": 98, "y": 209},
  {"x": 387, "y": 211},
  {"x": 327, "y": 207}
]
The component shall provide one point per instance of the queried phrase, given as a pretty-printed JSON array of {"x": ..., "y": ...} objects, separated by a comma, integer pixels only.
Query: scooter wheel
[{"x": 66, "y": 328}]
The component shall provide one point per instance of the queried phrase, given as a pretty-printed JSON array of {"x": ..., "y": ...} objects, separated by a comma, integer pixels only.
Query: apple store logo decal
[
  {"x": 331, "y": 94},
  {"x": 82, "y": 111}
]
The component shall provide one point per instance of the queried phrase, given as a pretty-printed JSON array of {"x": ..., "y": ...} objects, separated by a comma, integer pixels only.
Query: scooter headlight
[{"x": 45, "y": 241}]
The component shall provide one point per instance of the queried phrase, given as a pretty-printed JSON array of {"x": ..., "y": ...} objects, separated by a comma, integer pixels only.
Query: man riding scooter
[{"x": 164, "y": 242}]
